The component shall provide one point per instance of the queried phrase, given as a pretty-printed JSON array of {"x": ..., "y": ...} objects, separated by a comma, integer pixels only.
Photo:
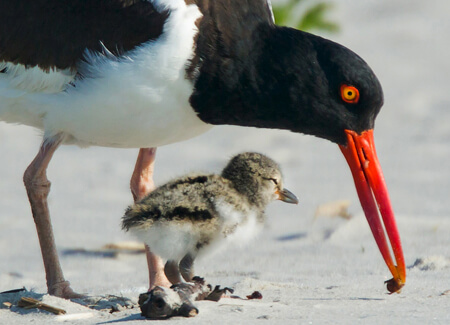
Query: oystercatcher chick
[{"x": 193, "y": 214}]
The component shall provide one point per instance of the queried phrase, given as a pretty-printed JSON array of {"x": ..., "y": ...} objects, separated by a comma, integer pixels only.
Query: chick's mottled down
[{"x": 194, "y": 213}]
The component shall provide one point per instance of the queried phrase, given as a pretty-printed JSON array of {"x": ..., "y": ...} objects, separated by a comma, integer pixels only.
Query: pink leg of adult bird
[
  {"x": 141, "y": 184},
  {"x": 38, "y": 187}
]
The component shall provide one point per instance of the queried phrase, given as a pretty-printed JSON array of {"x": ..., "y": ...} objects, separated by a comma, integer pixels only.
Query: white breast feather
[
  {"x": 246, "y": 222},
  {"x": 244, "y": 225}
]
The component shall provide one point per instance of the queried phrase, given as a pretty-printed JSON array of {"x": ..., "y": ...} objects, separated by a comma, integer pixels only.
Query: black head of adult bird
[
  {"x": 153, "y": 72},
  {"x": 288, "y": 79}
]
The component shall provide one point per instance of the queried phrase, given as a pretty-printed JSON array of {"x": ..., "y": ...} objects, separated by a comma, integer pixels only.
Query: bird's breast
[{"x": 240, "y": 223}]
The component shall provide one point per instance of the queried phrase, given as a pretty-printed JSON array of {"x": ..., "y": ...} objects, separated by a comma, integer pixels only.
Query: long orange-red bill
[{"x": 372, "y": 191}]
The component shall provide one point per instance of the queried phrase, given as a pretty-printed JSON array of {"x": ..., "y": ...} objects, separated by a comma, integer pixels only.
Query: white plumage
[
  {"x": 141, "y": 100},
  {"x": 173, "y": 240}
]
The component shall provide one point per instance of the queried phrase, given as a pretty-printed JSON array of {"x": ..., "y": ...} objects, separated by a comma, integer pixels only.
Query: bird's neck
[{"x": 255, "y": 81}]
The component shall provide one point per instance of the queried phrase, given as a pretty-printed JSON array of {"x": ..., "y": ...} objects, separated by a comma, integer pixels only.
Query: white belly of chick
[
  {"x": 237, "y": 226},
  {"x": 170, "y": 240},
  {"x": 173, "y": 239}
]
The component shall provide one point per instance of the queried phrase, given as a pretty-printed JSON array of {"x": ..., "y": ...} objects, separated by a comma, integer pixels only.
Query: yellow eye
[{"x": 349, "y": 94}]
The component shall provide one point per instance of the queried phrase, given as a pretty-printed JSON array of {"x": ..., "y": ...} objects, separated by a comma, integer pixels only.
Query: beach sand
[{"x": 310, "y": 269}]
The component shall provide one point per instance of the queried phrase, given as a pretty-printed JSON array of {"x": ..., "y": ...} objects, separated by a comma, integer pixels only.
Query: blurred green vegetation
[{"x": 313, "y": 17}]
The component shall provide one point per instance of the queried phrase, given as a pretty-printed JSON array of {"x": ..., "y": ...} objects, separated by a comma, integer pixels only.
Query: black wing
[
  {"x": 227, "y": 30},
  {"x": 55, "y": 33}
]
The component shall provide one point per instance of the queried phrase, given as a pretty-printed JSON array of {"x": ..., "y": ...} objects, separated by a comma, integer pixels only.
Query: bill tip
[{"x": 394, "y": 285}]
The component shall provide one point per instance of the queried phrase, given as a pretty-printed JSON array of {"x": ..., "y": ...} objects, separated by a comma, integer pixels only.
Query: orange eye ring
[{"x": 349, "y": 94}]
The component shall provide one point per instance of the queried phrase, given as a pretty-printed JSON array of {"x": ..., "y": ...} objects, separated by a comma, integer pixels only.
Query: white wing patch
[
  {"x": 28, "y": 80},
  {"x": 19, "y": 85}
]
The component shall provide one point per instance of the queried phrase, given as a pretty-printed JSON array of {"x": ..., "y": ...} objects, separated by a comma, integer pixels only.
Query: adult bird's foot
[
  {"x": 63, "y": 290},
  {"x": 160, "y": 282}
]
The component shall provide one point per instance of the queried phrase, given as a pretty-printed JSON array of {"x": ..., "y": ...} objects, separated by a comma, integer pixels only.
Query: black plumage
[
  {"x": 56, "y": 34},
  {"x": 247, "y": 71}
]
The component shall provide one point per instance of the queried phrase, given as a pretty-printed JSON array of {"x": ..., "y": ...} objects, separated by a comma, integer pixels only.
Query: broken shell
[{"x": 255, "y": 295}]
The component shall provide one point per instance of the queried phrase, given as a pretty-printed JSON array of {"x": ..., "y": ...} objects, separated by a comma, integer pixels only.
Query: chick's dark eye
[{"x": 274, "y": 180}]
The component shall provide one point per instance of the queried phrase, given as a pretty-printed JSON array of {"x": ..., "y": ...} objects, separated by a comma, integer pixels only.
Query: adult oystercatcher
[
  {"x": 142, "y": 74},
  {"x": 193, "y": 214}
]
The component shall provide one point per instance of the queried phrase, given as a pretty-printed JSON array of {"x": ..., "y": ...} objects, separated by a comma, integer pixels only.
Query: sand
[{"x": 310, "y": 270}]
